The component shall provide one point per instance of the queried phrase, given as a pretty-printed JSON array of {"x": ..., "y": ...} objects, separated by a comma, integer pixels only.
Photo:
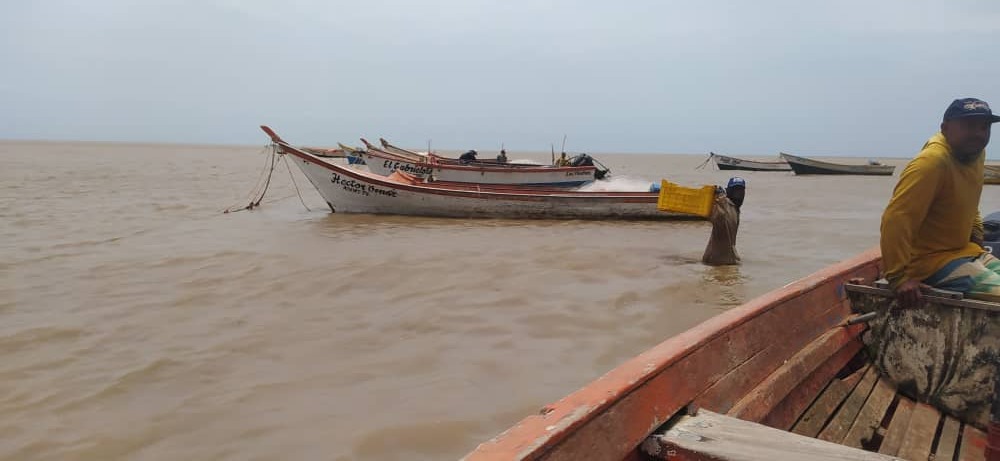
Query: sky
[{"x": 845, "y": 78}]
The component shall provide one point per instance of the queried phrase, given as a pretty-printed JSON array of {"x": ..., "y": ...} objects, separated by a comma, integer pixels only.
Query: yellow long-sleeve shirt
[{"x": 933, "y": 212}]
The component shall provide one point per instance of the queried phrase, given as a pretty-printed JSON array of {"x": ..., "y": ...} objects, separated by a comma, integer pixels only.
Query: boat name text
[
  {"x": 407, "y": 167},
  {"x": 361, "y": 188}
]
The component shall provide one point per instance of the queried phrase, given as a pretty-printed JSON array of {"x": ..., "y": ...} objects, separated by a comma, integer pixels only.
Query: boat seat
[{"x": 709, "y": 435}]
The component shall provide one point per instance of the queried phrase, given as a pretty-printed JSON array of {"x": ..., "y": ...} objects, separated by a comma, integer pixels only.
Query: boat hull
[
  {"x": 347, "y": 193},
  {"x": 806, "y": 166},
  {"x": 732, "y": 163}
]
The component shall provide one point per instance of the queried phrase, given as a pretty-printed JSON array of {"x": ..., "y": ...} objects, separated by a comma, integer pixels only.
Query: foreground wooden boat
[
  {"x": 384, "y": 163},
  {"x": 786, "y": 376},
  {"x": 802, "y": 165},
  {"x": 349, "y": 190},
  {"x": 732, "y": 163}
]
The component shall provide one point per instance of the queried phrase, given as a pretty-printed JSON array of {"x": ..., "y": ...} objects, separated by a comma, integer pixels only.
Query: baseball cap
[
  {"x": 736, "y": 181},
  {"x": 969, "y": 107}
]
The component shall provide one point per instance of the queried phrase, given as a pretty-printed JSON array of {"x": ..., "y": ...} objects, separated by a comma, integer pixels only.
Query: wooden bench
[{"x": 709, "y": 435}]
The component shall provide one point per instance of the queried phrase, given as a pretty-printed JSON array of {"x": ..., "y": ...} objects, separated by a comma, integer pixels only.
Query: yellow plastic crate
[{"x": 680, "y": 199}]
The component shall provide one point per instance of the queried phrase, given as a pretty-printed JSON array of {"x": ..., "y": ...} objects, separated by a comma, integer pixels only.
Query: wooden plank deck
[
  {"x": 920, "y": 437},
  {"x": 973, "y": 445},
  {"x": 870, "y": 417},
  {"x": 841, "y": 422},
  {"x": 709, "y": 435},
  {"x": 948, "y": 442},
  {"x": 817, "y": 415},
  {"x": 866, "y": 418},
  {"x": 897, "y": 427}
]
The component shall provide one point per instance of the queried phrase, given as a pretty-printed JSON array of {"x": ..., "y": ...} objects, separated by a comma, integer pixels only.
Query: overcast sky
[{"x": 865, "y": 78}]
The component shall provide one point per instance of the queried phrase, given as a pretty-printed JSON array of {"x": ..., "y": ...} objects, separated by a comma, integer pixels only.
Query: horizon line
[{"x": 214, "y": 144}]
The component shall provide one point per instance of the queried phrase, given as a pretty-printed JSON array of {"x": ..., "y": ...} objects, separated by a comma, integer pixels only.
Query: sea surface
[{"x": 140, "y": 322}]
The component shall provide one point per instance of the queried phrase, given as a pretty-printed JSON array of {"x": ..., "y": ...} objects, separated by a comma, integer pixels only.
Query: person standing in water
[{"x": 725, "y": 219}]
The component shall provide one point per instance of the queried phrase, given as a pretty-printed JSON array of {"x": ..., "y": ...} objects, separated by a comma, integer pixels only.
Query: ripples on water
[{"x": 138, "y": 322}]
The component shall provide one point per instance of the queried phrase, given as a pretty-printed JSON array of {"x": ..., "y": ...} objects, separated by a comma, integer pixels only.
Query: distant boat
[
  {"x": 991, "y": 174},
  {"x": 802, "y": 165},
  {"x": 732, "y": 163}
]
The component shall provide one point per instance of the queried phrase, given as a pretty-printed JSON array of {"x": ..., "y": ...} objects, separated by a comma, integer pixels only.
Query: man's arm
[{"x": 914, "y": 193}]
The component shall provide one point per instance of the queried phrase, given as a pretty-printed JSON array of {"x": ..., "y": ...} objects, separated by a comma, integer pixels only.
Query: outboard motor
[
  {"x": 586, "y": 160},
  {"x": 581, "y": 160},
  {"x": 991, "y": 236}
]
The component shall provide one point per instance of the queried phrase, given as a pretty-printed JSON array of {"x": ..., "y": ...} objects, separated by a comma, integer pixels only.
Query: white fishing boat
[
  {"x": 431, "y": 157},
  {"x": 384, "y": 163},
  {"x": 348, "y": 190}
]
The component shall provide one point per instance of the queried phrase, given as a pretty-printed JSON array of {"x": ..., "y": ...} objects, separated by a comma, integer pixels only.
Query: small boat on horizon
[
  {"x": 350, "y": 190},
  {"x": 805, "y": 166},
  {"x": 725, "y": 162},
  {"x": 786, "y": 376},
  {"x": 991, "y": 174}
]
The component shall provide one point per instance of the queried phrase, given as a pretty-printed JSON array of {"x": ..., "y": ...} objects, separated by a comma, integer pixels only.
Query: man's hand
[{"x": 908, "y": 294}]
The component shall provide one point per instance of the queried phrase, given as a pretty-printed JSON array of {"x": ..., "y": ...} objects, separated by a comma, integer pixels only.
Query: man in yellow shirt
[{"x": 932, "y": 232}]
